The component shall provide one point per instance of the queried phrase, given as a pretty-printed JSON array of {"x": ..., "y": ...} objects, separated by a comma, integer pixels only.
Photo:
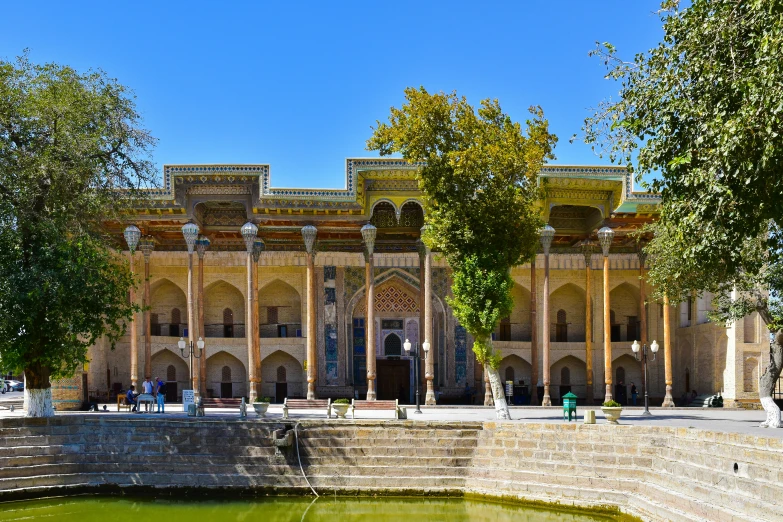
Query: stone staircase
[{"x": 657, "y": 473}]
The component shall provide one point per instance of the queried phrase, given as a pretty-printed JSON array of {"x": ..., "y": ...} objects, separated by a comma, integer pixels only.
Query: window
[
  {"x": 228, "y": 323},
  {"x": 154, "y": 325},
  {"x": 505, "y": 329},
  {"x": 565, "y": 376},
  {"x": 225, "y": 374},
  {"x": 561, "y": 328},
  {"x": 509, "y": 374},
  {"x": 281, "y": 377},
  {"x": 271, "y": 315},
  {"x": 171, "y": 373},
  {"x": 282, "y": 330},
  {"x": 176, "y": 320}
]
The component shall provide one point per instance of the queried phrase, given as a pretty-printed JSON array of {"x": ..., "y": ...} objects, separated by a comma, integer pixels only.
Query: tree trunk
[
  {"x": 501, "y": 406},
  {"x": 769, "y": 380},
  {"x": 38, "y": 392}
]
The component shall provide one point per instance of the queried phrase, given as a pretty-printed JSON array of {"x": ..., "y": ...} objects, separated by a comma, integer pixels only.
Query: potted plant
[
  {"x": 612, "y": 411},
  {"x": 340, "y": 407},
  {"x": 261, "y": 404}
]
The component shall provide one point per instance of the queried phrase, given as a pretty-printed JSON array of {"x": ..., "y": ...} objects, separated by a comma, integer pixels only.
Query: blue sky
[{"x": 298, "y": 85}]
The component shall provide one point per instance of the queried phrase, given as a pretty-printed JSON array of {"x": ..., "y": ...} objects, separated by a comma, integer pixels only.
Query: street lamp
[
  {"x": 416, "y": 361},
  {"x": 636, "y": 347},
  {"x": 182, "y": 344}
]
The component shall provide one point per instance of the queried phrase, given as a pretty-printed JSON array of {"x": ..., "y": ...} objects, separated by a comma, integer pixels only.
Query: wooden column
[
  {"x": 256, "y": 337},
  {"x": 589, "y": 322},
  {"x": 134, "y": 338},
  {"x": 251, "y": 356},
  {"x": 370, "y": 327},
  {"x": 194, "y": 374},
  {"x": 668, "y": 401},
  {"x": 202, "y": 361},
  {"x": 312, "y": 363},
  {"x": 547, "y": 400},
  {"x": 429, "y": 363},
  {"x": 422, "y": 333},
  {"x": 607, "y": 334},
  {"x": 147, "y": 318},
  {"x": 533, "y": 336}
]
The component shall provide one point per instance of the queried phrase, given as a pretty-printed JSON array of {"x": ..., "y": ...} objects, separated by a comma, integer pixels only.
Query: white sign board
[
  {"x": 188, "y": 397},
  {"x": 509, "y": 388}
]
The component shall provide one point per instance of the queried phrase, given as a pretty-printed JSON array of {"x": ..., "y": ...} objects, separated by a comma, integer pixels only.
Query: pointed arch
[
  {"x": 226, "y": 375},
  {"x": 219, "y": 296},
  {"x": 518, "y": 366},
  {"x": 575, "y": 370},
  {"x": 279, "y": 309},
  {"x": 569, "y": 298},
  {"x": 295, "y": 384},
  {"x": 624, "y": 301},
  {"x": 171, "y": 367},
  {"x": 167, "y": 301}
]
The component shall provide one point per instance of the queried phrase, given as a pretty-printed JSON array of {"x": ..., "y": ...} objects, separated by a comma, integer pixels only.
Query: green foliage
[
  {"x": 263, "y": 399},
  {"x": 704, "y": 112},
  {"x": 71, "y": 156},
  {"x": 341, "y": 401},
  {"x": 478, "y": 175},
  {"x": 612, "y": 404}
]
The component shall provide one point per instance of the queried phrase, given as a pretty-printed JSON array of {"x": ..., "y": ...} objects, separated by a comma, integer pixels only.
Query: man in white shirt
[{"x": 146, "y": 387}]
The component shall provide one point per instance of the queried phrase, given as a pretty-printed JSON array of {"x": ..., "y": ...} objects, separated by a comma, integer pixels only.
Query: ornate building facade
[{"x": 282, "y": 317}]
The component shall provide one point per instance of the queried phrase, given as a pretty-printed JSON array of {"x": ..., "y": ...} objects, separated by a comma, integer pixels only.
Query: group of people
[{"x": 158, "y": 390}]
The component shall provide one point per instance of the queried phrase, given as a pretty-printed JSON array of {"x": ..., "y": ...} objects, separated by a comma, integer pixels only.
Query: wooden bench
[
  {"x": 221, "y": 403},
  {"x": 305, "y": 404},
  {"x": 376, "y": 405}
]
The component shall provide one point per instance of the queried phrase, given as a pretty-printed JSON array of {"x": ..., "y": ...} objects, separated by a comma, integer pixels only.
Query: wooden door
[
  {"x": 281, "y": 391},
  {"x": 394, "y": 381},
  {"x": 226, "y": 390},
  {"x": 171, "y": 391}
]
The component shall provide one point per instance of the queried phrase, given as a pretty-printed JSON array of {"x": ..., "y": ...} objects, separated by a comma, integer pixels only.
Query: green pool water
[{"x": 283, "y": 509}]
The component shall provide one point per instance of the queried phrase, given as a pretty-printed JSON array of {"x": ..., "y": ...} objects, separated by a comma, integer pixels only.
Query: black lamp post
[
  {"x": 182, "y": 344},
  {"x": 417, "y": 363},
  {"x": 636, "y": 347}
]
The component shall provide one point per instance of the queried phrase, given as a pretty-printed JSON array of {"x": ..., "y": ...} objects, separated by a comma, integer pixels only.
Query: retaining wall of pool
[{"x": 654, "y": 473}]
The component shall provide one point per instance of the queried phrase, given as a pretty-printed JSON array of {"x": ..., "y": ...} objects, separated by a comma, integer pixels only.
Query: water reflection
[{"x": 283, "y": 509}]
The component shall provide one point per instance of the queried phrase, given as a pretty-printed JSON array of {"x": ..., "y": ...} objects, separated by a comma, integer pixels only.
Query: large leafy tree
[
  {"x": 72, "y": 154},
  {"x": 704, "y": 112},
  {"x": 478, "y": 177}
]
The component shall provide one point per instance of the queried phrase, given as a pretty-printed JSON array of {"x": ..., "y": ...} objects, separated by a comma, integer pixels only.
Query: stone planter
[
  {"x": 340, "y": 409},
  {"x": 612, "y": 414},
  {"x": 260, "y": 408}
]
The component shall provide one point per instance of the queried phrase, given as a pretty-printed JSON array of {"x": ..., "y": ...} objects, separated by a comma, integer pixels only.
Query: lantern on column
[
  {"x": 190, "y": 233},
  {"x": 309, "y": 232},
  {"x": 605, "y": 236},
  {"x": 258, "y": 247},
  {"x": 249, "y": 233},
  {"x": 132, "y": 235},
  {"x": 202, "y": 244},
  {"x": 368, "y": 234},
  {"x": 547, "y": 233}
]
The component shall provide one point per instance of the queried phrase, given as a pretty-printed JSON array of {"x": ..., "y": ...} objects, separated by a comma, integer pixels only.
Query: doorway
[
  {"x": 226, "y": 390},
  {"x": 171, "y": 391},
  {"x": 394, "y": 380},
  {"x": 281, "y": 391}
]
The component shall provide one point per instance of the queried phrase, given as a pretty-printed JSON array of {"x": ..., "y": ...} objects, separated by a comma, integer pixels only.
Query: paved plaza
[{"x": 716, "y": 419}]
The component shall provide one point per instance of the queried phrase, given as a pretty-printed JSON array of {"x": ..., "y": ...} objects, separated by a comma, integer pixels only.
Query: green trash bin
[{"x": 569, "y": 406}]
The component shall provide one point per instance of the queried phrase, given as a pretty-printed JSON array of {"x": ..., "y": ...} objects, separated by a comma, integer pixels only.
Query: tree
[
  {"x": 478, "y": 176},
  {"x": 704, "y": 111},
  {"x": 71, "y": 155}
]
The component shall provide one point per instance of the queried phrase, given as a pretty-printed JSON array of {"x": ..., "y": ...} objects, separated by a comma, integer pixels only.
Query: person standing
[
  {"x": 634, "y": 393},
  {"x": 146, "y": 388},
  {"x": 160, "y": 393}
]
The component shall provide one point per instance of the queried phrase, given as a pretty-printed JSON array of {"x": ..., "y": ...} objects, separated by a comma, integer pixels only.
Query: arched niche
[
  {"x": 570, "y": 299},
  {"x": 294, "y": 385},
  {"x": 575, "y": 370},
  {"x": 520, "y": 368},
  {"x": 631, "y": 373},
  {"x": 516, "y": 327},
  {"x": 218, "y": 297},
  {"x": 411, "y": 214},
  {"x": 236, "y": 387},
  {"x": 162, "y": 362},
  {"x": 624, "y": 302},
  {"x": 168, "y": 307},
  {"x": 279, "y": 310}
]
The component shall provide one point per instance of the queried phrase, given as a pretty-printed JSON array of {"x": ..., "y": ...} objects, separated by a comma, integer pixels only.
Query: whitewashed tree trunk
[
  {"x": 769, "y": 379},
  {"x": 498, "y": 394},
  {"x": 38, "y": 402}
]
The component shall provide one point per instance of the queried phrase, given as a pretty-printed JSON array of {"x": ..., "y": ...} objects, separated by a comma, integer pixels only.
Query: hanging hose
[{"x": 296, "y": 435}]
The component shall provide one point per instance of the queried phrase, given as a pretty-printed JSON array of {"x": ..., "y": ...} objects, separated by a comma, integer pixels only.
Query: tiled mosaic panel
[
  {"x": 412, "y": 331},
  {"x": 330, "y": 326},
  {"x": 460, "y": 354},
  {"x": 392, "y": 298}
]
